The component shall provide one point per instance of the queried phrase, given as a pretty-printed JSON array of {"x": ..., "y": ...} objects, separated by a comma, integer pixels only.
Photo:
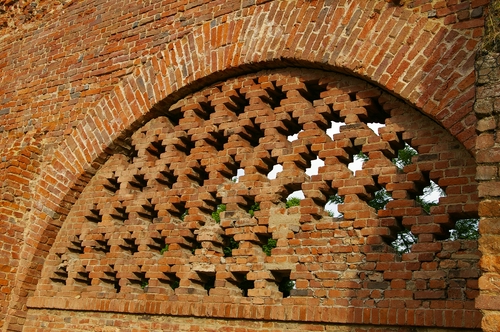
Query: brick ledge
[{"x": 447, "y": 318}]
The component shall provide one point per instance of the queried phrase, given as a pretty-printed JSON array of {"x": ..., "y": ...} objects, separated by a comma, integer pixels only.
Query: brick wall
[
  {"x": 78, "y": 80},
  {"x": 486, "y": 108},
  {"x": 49, "y": 320},
  {"x": 142, "y": 237}
]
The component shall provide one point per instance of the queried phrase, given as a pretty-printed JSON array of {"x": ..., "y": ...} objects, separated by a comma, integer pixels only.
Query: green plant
[
  {"x": 285, "y": 286},
  {"x": 292, "y": 201},
  {"x": 404, "y": 157},
  {"x": 164, "y": 249},
  {"x": 253, "y": 208},
  {"x": 216, "y": 213},
  {"x": 466, "y": 229},
  {"x": 380, "y": 199},
  {"x": 403, "y": 242},
  {"x": 175, "y": 284},
  {"x": 361, "y": 156},
  {"x": 336, "y": 199},
  {"x": 271, "y": 243},
  {"x": 196, "y": 245},
  {"x": 184, "y": 214},
  {"x": 228, "y": 250}
]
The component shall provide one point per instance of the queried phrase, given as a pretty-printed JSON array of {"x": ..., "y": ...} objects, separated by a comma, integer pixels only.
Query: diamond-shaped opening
[
  {"x": 375, "y": 126},
  {"x": 244, "y": 284},
  {"x": 239, "y": 173},
  {"x": 282, "y": 279},
  {"x": 184, "y": 144},
  {"x": 149, "y": 212},
  {"x": 133, "y": 153},
  {"x": 376, "y": 113},
  {"x": 465, "y": 229},
  {"x": 274, "y": 172},
  {"x": 404, "y": 241},
  {"x": 229, "y": 245},
  {"x": 294, "y": 199},
  {"x": 315, "y": 165},
  {"x": 275, "y": 92},
  {"x": 216, "y": 214},
  {"x": 155, "y": 149},
  {"x": 120, "y": 213},
  {"x": 174, "y": 114},
  {"x": 158, "y": 244},
  {"x": 268, "y": 244},
  {"x": 405, "y": 156},
  {"x": 332, "y": 206},
  {"x": 94, "y": 215},
  {"x": 102, "y": 246},
  {"x": 76, "y": 246},
  {"x": 296, "y": 194},
  {"x": 83, "y": 278},
  {"x": 252, "y": 132},
  {"x": 207, "y": 280},
  {"x": 170, "y": 279},
  {"x": 130, "y": 246},
  {"x": 313, "y": 91},
  {"x": 357, "y": 163},
  {"x": 110, "y": 278},
  {"x": 239, "y": 102},
  {"x": 60, "y": 274},
  {"x": 294, "y": 137},
  {"x": 217, "y": 140},
  {"x": 430, "y": 196},
  {"x": 112, "y": 184},
  {"x": 195, "y": 245},
  {"x": 380, "y": 199},
  {"x": 251, "y": 206},
  {"x": 139, "y": 182},
  {"x": 334, "y": 128},
  {"x": 166, "y": 178},
  {"x": 199, "y": 174},
  {"x": 205, "y": 111},
  {"x": 140, "y": 280}
]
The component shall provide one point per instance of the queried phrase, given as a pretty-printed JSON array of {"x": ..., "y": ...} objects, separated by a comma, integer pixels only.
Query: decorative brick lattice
[{"x": 144, "y": 226}]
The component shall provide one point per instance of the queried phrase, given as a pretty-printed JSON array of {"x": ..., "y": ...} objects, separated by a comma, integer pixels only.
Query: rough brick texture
[
  {"x": 487, "y": 109},
  {"x": 48, "y": 320},
  {"x": 180, "y": 166},
  {"x": 79, "y": 78}
]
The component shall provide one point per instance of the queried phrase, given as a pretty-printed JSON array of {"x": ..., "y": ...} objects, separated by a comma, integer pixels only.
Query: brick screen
[{"x": 142, "y": 237}]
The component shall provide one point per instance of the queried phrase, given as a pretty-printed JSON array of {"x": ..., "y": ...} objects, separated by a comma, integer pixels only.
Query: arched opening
[{"x": 192, "y": 213}]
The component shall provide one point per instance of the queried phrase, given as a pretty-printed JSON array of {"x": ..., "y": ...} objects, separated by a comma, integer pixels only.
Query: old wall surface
[{"x": 77, "y": 80}]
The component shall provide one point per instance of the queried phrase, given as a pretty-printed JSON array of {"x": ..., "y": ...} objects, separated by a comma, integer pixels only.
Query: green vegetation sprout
[{"x": 271, "y": 243}]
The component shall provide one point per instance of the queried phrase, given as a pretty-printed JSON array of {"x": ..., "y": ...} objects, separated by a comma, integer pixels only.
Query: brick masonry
[
  {"x": 79, "y": 80},
  {"x": 180, "y": 166},
  {"x": 105, "y": 322}
]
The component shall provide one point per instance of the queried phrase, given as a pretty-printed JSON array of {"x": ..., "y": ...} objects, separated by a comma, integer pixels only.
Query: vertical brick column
[{"x": 487, "y": 108}]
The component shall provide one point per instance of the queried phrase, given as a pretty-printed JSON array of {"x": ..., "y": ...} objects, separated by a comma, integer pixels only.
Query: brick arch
[
  {"x": 201, "y": 56},
  {"x": 402, "y": 119}
]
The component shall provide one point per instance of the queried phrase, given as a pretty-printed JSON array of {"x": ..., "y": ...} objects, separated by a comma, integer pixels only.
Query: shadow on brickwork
[{"x": 171, "y": 222}]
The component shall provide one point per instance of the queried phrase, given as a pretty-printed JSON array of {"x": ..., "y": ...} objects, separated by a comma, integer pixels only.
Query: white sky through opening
[
  {"x": 357, "y": 164},
  {"x": 274, "y": 172}
]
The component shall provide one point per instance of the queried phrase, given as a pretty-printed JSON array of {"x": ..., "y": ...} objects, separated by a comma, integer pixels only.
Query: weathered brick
[{"x": 94, "y": 73}]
